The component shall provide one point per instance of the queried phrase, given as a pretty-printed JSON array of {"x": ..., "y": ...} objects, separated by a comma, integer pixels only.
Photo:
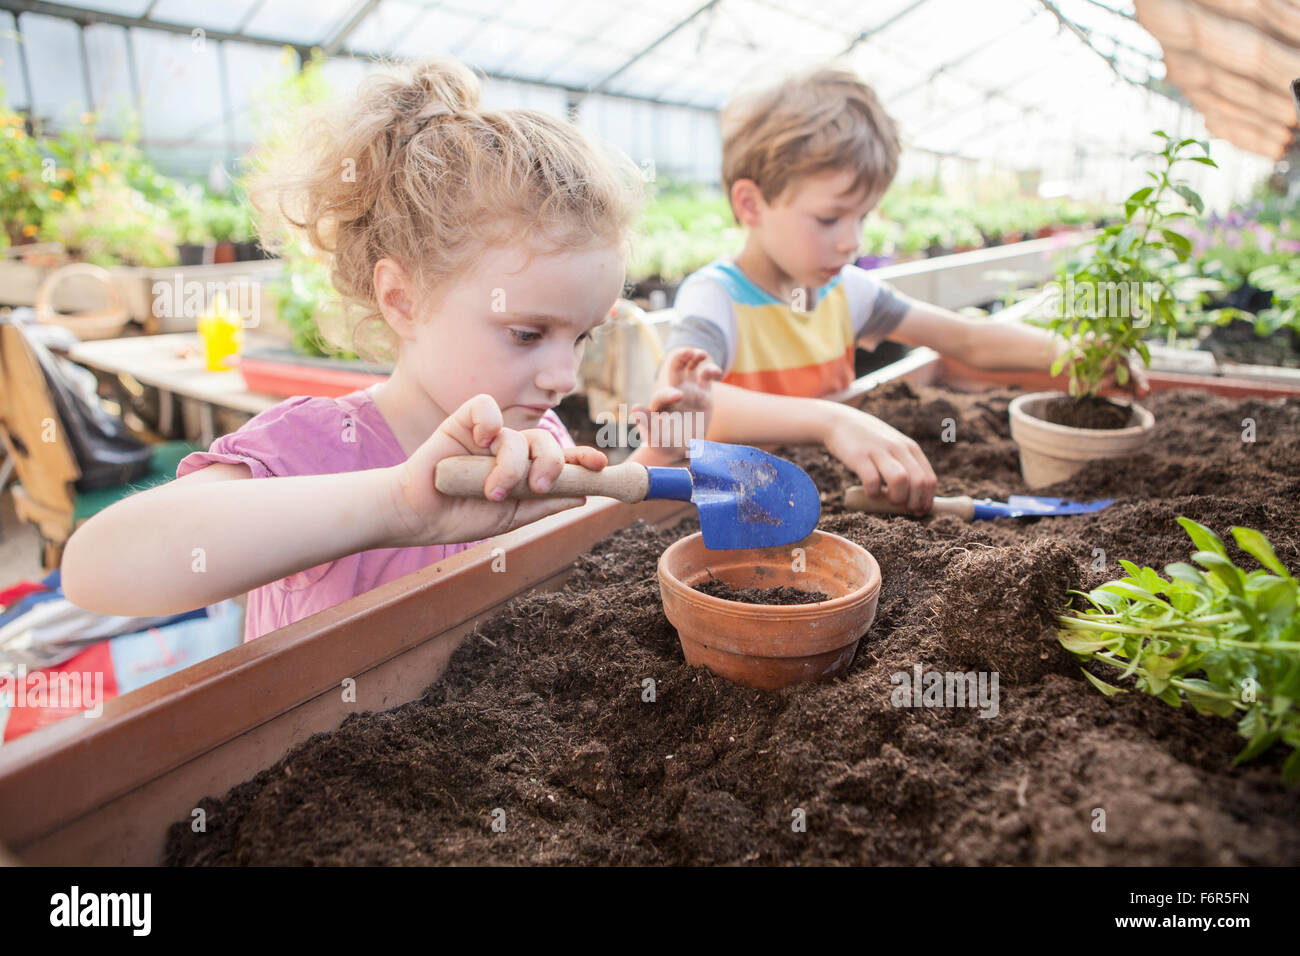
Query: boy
[{"x": 803, "y": 163}]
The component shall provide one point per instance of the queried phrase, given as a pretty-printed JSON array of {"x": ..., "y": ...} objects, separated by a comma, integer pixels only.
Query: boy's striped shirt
[{"x": 764, "y": 344}]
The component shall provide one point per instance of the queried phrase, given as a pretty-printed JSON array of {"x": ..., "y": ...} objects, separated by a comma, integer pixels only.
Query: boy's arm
[
  {"x": 881, "y": 456},
  {"x": 993, "y": 345},
  {"x": 743, "y": 416},
  {"x": 978, "y": 342}
]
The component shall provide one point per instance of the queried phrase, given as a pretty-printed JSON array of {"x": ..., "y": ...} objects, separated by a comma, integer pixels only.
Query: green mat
[{"x": 162, "y": 469}]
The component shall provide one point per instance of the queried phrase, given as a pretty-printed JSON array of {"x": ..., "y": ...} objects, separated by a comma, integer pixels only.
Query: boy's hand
[
  {"x": 1136, "y": 385},
  {"x": 685, "y": 388},
  {"x": 422, "y": 516},
  {"x": 882, "y": 456}
]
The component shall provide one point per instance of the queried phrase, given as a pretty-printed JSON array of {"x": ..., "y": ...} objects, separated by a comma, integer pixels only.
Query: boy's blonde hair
[
  {"x": 413, "y": 170},
  {"x": 814, "y": 122}
]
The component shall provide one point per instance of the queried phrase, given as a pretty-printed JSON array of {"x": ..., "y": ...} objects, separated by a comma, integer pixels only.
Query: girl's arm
[{"x": 218, "y": 532}]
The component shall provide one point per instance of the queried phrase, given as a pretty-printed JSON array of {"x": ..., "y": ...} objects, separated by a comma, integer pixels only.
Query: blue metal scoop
[{"x": 746, "y": 498}]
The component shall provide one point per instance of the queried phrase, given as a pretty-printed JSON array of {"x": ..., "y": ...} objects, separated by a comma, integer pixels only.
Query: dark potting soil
[
  {"x": 781, "y": 595},
  {"x": 1091, "y": 411},
  {"x": 1238, "y": 342},
  {"x": 544, "y": 716}
]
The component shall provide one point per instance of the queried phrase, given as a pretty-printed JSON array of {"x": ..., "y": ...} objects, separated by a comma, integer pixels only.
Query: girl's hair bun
[{"x": 410, "y": 168}]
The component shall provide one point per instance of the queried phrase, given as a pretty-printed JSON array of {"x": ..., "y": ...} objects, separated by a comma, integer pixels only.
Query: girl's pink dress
[{"x": 321, "y": 436}]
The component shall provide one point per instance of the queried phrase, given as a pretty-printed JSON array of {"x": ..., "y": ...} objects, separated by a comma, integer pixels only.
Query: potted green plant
[
  {"x": 1120, "y": 292},
  {"x": 222, "y": 219},
  {"x": 194, "y": 245},
  {"x": 247, "y": 248},
  {"x": 108, "y": 223}
]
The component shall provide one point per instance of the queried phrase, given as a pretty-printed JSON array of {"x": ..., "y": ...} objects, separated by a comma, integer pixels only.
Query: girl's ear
[
  {"x": 747, "y": 202},
  {"x": 393, "y": 293}
]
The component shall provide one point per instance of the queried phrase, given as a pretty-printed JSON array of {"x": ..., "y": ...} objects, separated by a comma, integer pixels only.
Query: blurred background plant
[{"x": 306, "y": 301}]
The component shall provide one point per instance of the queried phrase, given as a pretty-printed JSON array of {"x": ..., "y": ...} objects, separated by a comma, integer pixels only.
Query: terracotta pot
[
  {"x": 771, "y": 646},
  {"x": 1050, "y": 453}
]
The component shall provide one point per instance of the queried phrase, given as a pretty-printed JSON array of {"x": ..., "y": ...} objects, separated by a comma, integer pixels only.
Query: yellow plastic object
[{"x": 222, "y": 333}]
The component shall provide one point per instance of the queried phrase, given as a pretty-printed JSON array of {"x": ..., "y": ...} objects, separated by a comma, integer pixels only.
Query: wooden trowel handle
[
  {"x": 857, "y": 499},
  {"x": 463, "y": 476}
]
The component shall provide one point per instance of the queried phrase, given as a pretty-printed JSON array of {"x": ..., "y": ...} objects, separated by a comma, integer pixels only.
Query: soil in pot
[
  {"x": 543, "y": 712},
  {"x": 1089, "y": 411},
  {"x": 782, "y": 595}
]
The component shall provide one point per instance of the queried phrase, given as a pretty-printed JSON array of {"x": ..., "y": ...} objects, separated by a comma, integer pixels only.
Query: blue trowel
[
  {"x": 978, "y": 509},
  {"x": 746, "y": 498}
]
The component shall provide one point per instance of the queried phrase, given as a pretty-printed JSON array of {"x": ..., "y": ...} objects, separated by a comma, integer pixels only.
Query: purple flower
[{"x": 1288, "y": 245}]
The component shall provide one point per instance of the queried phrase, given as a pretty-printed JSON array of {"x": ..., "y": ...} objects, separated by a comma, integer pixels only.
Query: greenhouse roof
[{"x": 971, "y": 79}]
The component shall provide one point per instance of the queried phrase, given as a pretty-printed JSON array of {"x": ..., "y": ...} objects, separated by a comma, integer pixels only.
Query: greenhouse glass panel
[
  {"x": 53, "y": 48},
  {"x": 110, "y": 78},
  {"x": 440, "y": 31},
  {"x": 249, "y": 71},
  {"x": 11, "y": 66},
  {"x": 225, "y": 16},
  {"x": 384, "y": 26},
  {"x": 300, "y": 21},
  {"x": 127, "y": 8},
  {"x": 180, "y": 88}
]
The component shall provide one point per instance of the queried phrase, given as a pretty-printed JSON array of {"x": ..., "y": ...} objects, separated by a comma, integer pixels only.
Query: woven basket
[{"x": 95, "y": 324}]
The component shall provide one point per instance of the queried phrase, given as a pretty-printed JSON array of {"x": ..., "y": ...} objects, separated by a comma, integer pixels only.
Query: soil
[
  {"x": 1091, "y": 411},
  {"x": 1238, "y": 342},
  {"x": 543, "y": 722},
  {"x": 781, "y": 595}
]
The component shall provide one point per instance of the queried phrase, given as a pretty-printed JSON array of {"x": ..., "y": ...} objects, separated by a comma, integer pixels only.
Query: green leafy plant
[
  {"x": 1282, "y": 279},
  {"x": 305, "y": 297},
  {"x": 1131, "y": 262},
  {"x": 109, "y": 223},
  {"x": 1224, "y": 640}
]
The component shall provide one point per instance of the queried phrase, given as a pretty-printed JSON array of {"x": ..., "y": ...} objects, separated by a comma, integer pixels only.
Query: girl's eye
[
  {"x": 525, "y": 338},
  {"x": 827, "y": 220},
  {"x": 584, "y": 337}
]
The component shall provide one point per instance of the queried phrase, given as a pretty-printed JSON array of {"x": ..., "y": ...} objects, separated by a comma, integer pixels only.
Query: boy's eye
[{"x": 525, "y": 338}]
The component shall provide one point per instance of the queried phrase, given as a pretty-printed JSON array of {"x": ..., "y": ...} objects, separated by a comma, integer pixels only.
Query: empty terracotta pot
[
  {"x": 1050, "y": 453},
  {"x": 771, "y": 646}
]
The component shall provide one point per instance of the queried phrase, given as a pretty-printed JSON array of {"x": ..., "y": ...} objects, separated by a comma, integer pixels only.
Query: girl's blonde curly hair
[{"x": 413, "y": 170}]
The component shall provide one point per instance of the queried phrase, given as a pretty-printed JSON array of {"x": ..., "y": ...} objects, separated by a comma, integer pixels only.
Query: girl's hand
[
  {"x": 685, "y": 394},
  {"x": 882, "y": 456},
  {"x": 422, "y": 516}
]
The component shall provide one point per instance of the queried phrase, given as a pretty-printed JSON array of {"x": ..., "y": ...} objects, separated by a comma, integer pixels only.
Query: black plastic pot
[
  {"x": 192, "y": 254},
  {"x": 250, "y": 251}
]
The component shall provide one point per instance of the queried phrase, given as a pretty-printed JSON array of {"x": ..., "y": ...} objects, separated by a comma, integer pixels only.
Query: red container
[{"x": 281, "y": 372}]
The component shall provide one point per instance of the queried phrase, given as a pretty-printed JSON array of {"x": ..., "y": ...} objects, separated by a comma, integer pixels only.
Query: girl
[{"x": 479, "y": 249}]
